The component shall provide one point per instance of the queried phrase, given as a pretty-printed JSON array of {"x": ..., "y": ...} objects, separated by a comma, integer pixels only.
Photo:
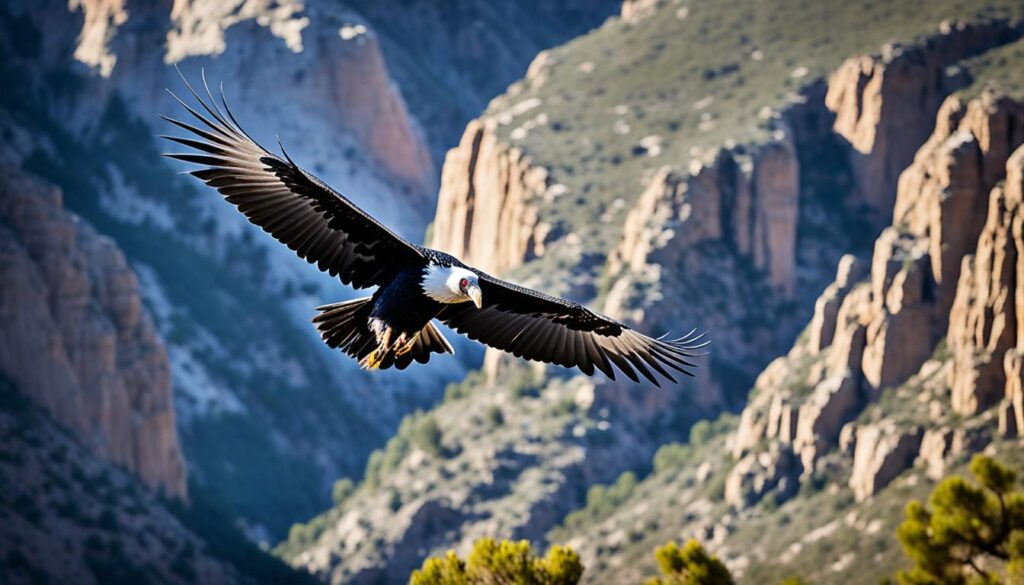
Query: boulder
[
  {"x": 754, "y": 476},
  {"x": 832, "y": 403},
  {"x": 883, "y": 452},
  {"x": 936, "y": 445}
]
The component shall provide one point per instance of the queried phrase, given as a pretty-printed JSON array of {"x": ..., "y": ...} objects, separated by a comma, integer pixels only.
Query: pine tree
[
  {"x": 689, "y": 565},
  {"x": 969, "y": 533},
  {"x": 499, "y": 563}
]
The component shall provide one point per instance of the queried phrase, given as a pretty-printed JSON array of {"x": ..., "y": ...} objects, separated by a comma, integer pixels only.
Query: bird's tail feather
[{"x": 346, "y": 326}]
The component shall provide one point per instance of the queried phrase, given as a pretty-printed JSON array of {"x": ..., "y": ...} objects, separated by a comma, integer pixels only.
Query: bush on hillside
[
  {"x": 969, "y": 532},
  {"x": 342, "y": 490},
  {"x": 689, "y": 565},
  {"x": 492, "y": 562}
]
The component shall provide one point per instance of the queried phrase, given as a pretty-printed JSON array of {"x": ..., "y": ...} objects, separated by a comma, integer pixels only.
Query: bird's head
[{"x": 452, "y": 284}]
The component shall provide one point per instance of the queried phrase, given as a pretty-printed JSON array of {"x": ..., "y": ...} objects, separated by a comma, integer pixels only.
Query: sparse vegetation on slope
[{"x": 622, "y": 101}]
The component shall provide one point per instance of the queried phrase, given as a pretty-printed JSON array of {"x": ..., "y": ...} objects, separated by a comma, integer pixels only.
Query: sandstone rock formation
[
  {"x": 943, "y": 270},
  {"x": 883, "y": 452},
  {"x": 885, "y": 104},
  {"x": 76, "y": 338},
  {"x": 822, "y": 328},
  {"x": 983, "y": 322},
  {"x": 757, "y": 475},
  {"x": 488, "y": 206}
]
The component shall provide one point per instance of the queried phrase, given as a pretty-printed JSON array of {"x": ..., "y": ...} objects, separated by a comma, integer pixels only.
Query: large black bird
[{"x": 414, "y": 284}]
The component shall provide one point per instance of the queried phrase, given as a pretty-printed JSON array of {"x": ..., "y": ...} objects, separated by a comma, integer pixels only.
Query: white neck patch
[{"x": 442, "y": 283}]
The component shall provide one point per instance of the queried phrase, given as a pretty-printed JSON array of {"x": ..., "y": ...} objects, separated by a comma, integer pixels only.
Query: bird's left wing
[
  {"x": 293, "y": 206},
  {"x": 540, "y": 327}
]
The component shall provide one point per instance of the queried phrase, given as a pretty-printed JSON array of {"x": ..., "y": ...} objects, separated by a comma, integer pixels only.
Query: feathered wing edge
[
  {"x": 294, "y": 207},
  {"x": 540, "y": 337}
]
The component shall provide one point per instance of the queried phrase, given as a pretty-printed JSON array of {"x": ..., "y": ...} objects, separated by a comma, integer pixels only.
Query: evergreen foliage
[
  {"x": 689, "y": 565},
  {"x": 492, "y": 562},
  {"x": 970, "y": 533}
]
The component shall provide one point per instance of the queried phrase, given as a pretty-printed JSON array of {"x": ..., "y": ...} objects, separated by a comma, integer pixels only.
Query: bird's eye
[{"x": 463, "y": 284}]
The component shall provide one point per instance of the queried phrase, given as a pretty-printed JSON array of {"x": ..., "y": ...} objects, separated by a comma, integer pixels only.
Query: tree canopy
[
  {"x": 506, "y": 562},
  {"x": 970, "y": 533},
  {"x": 689, "y": 565}
]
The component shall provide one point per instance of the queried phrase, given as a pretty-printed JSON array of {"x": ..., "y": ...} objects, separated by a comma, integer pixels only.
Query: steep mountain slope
[
  {"x": 908, "y": 367},
  {"x": 449, "y": 59},
  {"x": 708, "y": 160},
  {"x": 261, "y": 404},
  {"x": 92, "y": 481},
  {"x": 718, "y": 187}
]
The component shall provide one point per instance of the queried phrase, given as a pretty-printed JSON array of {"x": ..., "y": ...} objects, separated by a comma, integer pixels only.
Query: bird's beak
[{"x": 475, "y": 294}]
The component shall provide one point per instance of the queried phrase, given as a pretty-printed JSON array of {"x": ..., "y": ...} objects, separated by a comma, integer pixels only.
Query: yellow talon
[
  {"x": 373, "y": 360},
  {"x": 407, "y": 346}
]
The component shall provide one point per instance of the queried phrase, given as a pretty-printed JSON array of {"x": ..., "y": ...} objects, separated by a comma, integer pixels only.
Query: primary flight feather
[{"x": 415, "y": 285}]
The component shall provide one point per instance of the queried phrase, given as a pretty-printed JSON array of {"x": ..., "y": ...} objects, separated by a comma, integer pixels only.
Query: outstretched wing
[
  {"x": 299, "y": 210},
  {"x": 540, "y": 327}
]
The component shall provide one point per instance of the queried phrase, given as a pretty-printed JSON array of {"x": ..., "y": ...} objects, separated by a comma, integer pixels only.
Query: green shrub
[
  {"x": 492, "y": 562},
  {"x": 494, "y": 416},
  {"x": 689, "y": 565},
  {"x": 427, "y": 436},
  {"x": 967, "y": 530},
  {"x": 602, "y": 501},
  {"x": 672, "y": 457},
  {"x": 342, "y": 490}
]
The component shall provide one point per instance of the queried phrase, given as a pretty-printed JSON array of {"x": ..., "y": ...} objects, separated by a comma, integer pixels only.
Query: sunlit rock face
[
  {"x": 76, "y": 338},
  {"x": 885, "y": 104},
  {"x": 944, "y": 272}
]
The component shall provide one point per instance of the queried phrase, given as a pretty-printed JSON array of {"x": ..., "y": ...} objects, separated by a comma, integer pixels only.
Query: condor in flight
[{"x": 415, "y": 285}]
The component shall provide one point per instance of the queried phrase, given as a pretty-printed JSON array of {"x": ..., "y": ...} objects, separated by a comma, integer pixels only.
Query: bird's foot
[
  {"x": 373, "y": 360},
  {"x": 403, "y": 347}
]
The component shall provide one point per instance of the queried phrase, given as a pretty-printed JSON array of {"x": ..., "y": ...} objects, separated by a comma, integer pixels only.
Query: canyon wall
[
  {"x": 944, "y": 274},
  {"x": 885, "y": 103},
  {"x": 77, "y": 339}
]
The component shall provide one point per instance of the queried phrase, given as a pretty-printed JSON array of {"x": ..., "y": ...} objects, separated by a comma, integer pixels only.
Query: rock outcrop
[
  {"x": 885, "y": 104},
  {"x": 76, "y": 338},
  {"x": 750, "y": 202},
  {"x": 984, "y": 319},
  {"x": 883, "y": 452},
  {"x": 488, "y": 207},
  {"x": 756, "y": 476},
  {"x": 947, "y": 269}
]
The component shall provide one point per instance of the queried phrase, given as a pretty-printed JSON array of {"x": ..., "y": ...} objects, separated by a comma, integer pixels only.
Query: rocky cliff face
[
  {"x": 488, "y": 212},
  {"x": 361, "y": 93},
  {"x": 910, "y": 364},
  {"x": 76, "y": 336},
  {"x": 885, "y": 103},
  {"x": 739, "y": 219},
  {"x": 950, "y": 240}
]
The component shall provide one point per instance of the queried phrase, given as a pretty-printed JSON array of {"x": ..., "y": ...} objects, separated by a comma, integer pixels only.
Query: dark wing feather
[
  {"x": 299, "y": 210},
  {"x": 540, "y": 327}
]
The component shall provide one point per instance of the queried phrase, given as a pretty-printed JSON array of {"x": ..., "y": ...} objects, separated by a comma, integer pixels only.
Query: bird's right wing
[
  {"x": 293, "y": 206},
  {"x": 539, "y": 327}
]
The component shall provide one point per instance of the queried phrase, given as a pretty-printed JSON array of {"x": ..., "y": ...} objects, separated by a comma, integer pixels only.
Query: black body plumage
[
  {"x": 402, "y": 305},
  {"x": 393, "y": 327}
]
